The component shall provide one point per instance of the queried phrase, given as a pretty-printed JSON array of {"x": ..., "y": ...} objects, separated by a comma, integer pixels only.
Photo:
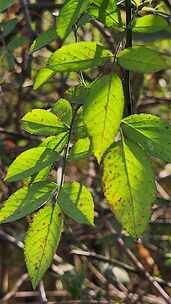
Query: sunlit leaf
[
  {"x": 42, "y": 122},
  {"x": 31, "y": 162},
  {"x": 129, "y": 186},
  {"x": 80, "y": 149},
  {"x": 103, "y": 112},
  {"x": 62, "y": 108},
  {"x": 149, "y": 24},
  {"x": 78, "y": 56},
  {"x": 76, "y": 201},
  {"x": 42, "y": 240},
  {"x": 26, "y": 200},
  {"x": 151, "y": 132}
]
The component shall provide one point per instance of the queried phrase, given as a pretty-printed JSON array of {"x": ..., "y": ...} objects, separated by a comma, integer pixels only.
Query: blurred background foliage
[{"x": 92, "y": 265}]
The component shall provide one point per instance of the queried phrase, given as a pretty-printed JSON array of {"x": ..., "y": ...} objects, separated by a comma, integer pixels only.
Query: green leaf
[
  {"x": 105, "y": 11},
  {"x": 141, "y": 59},
  {"x": 43, "y": 39},
  {"x": 76, "y": 201},
  {"x": 17, "y": 42},
  {"x": 25, "y": 201},
  {"x": 103, "y": 112},
  {"x": 31, "y": 162},
  {"x": 43, "y": 76},
  {"x": 149, "y": 24},
  {"x": 129, "y": 186},
  {"x": 77, "y": 94},
  {"x": 42, "y": 122},
  {"x": 62, "y": 108},
  {"x": 4, "y": 4},
  {"x": 68, "y": 16},
  {"x": 78, "y": 56},
  {"x": 42, "y": 240},
  {"x": 80, "y": 149},
  {"x": 8, "y": 26},
  {"x": 56, "y": 143},
  {"x": 151, "y": 132}
]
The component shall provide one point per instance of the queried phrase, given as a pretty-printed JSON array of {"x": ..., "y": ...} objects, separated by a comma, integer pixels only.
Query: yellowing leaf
[
  {"x": 103, "y": 112},
  {"x": 129, "y": 186},
  {"x": 42, "y": 240}
]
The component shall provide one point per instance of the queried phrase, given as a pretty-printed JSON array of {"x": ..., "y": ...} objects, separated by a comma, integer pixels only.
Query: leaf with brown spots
[
  {"x": 129, "y": 186},
  {"x": 42, "y": 240}
]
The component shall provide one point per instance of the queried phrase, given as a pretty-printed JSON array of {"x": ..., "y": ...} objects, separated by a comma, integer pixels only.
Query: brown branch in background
[
  {"x": 12, "y": 293},
  {"x": 140, "y": 267}
]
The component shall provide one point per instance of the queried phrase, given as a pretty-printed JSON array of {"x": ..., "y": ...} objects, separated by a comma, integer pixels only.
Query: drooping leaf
[
  {"x": 141, "y": 59},
  {"x": 68, "y": 16},
  {"x": 80, "y": 149},
  {"x": 4, "y": 4},
  {"x": 78, "y": 56},
  {"x": 76, "y": 201},
  {"x": 151, "y": 132},
  {"x": 62, "y": 108},
  {"x": 26, "y": 200},
  {"x": 31, "y": 162},
  {"x": 129, "y": 186},
  {"x": 149, "y": 24},
  {"x": 43, "y": 39},
  {"x": 42, "y": 122},
  {"x": 42, "y": 240},
  {"x": 43, "y": 76},
  {"x": 103, "y": 112}
]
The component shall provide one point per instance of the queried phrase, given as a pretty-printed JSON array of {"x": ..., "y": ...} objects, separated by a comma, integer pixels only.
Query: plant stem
[{"x": 127, "y": 83}]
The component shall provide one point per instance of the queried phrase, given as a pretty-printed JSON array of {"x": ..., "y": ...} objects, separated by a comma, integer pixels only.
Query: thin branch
[
  {"x": 12, "y": 293},
  {"x": 42, "y": 293},
  {"x": 127, "y": 85}
]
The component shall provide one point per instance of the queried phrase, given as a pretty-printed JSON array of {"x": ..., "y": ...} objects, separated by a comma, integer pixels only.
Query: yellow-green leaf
[
  {"x": 129, "y": 186},
  {"x": 149, "y": 24},
  {"x": 78, "y": 56},
  {"x": 151, "y": 132},
  {"x": 42, "y": 240},
  {"x": 26, "y": 200},
  {"x": 42, "y": 122},
  {"x": 43, "y": 76},
  {"x": 103, "y": 112},
  {"x": 76, "y": 201},
  {"x": 30, "y": 162}
]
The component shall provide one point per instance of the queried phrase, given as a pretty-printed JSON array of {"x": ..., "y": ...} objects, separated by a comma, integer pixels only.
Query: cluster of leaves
[{"x": 123, "y": 146}]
